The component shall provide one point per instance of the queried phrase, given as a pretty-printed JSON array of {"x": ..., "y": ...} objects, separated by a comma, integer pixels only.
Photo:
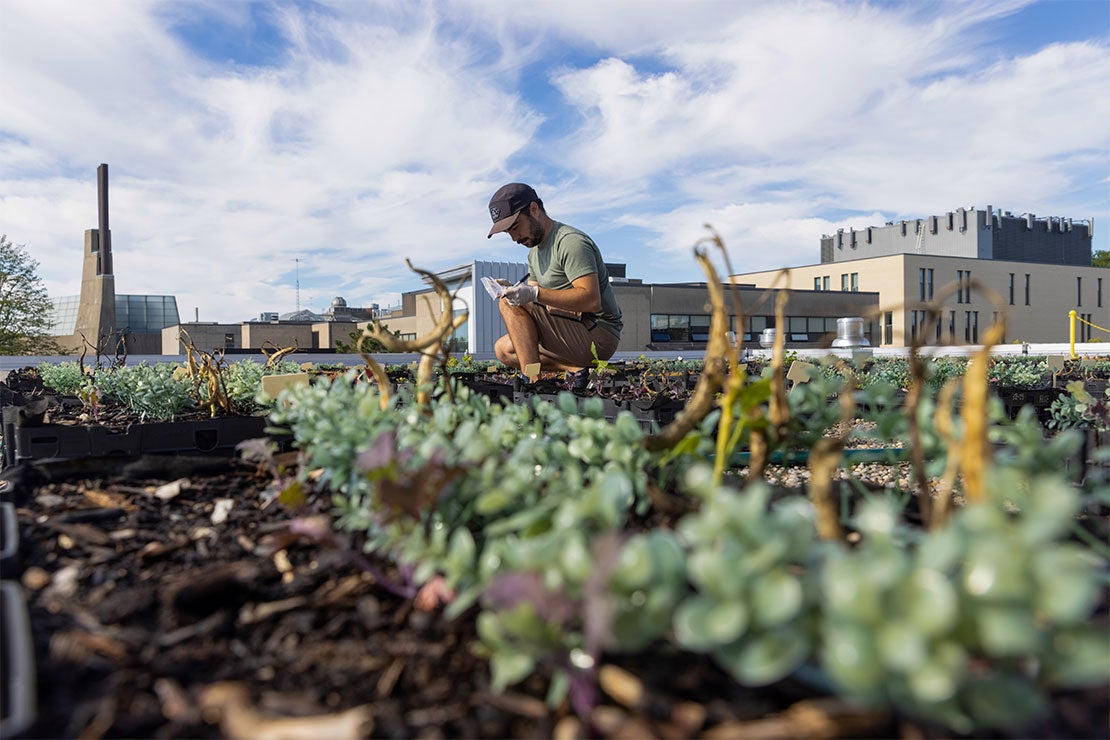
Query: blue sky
[{"x": 350, "y": 135}]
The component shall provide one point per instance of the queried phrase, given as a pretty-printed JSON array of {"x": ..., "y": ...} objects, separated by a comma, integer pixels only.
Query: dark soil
[
  {"x": 143, "y": 610},
  {"x": 150, "y": 619}
]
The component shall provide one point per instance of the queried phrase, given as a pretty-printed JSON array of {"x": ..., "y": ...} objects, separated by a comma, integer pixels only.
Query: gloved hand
[{"x": 518, "y": 295}]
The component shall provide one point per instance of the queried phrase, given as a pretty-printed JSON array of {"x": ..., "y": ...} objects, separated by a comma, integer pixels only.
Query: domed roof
[{"x": 339, "y": 302}]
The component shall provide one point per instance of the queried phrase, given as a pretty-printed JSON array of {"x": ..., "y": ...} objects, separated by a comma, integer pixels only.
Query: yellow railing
[{"x": 1073, "y": 315}]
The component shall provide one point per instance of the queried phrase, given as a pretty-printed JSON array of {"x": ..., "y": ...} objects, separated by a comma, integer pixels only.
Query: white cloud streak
[{"x": 380, "y": 128}]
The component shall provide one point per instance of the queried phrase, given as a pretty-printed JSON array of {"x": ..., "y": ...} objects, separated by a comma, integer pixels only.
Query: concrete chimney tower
[{"x": 96, "y": 313}]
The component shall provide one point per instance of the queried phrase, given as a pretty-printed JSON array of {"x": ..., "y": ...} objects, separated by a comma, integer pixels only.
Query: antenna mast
[{"x": 298, "y": 261}]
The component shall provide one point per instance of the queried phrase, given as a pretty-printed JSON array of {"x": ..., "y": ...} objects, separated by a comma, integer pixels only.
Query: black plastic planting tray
[{"x": 22, "y": 443}]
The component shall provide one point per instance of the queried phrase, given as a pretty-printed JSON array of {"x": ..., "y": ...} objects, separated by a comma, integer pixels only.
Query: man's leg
[{"x": 521, "y": 346}]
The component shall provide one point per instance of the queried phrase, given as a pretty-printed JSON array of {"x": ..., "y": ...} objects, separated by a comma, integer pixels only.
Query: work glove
[{"x": 518, "y": 295}]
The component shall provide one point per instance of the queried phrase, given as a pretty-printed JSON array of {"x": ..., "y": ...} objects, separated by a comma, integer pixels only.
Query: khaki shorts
[{"x": 569, "y": 340}]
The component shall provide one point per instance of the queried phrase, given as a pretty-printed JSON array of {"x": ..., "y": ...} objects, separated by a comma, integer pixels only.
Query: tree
[
  {"x": 1101, "y": 258},
  {"x": 24, "y": 306}
]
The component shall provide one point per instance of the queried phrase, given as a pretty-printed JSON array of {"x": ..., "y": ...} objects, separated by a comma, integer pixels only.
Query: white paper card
[{"x": 493, "y": 287}]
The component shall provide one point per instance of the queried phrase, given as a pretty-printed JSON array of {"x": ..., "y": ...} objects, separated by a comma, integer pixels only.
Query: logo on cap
[{"x": 495, "y": 212}]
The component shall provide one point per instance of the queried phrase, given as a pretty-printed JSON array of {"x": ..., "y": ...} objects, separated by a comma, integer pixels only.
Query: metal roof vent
[{"x": 849, "y": 333}]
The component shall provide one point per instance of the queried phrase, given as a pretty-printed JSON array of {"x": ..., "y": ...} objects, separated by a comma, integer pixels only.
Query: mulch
[{"x": 168, "y": 599}]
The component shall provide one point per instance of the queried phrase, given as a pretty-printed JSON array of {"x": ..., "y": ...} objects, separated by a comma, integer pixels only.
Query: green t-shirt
[{"x": 566, "y": 255}]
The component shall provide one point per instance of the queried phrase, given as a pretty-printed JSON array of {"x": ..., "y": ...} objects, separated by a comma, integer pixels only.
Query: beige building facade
[
  {"x": 272, "y": 335},
  {"x": 657, "y": 317},
  {"x": 972, "y": 294}
]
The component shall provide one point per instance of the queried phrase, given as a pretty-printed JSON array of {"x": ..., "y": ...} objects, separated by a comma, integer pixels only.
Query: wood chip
[
  {"x": 221, "y": 510},
  {"x": 688, "y": 716},
  {"x": 621, "y": 686},
  {"x": 252, "y": 613},
  {"x": 171, "y": 490},
  {"x": 108, "y": 500},
  {"x": 525, "y": 706},
  {"x": 281, "y": 562},
  {"x": 35, "y": 578},
  {"x": 177, "y": 705},
  {"x": 79, "y": 645},
  {"x": 569, "y": 728},
  {"x": 230, "y": 704},
  {"x": 608, "y": 719},
  {"x": 389, "y": 678},
  {"x": 157, "y": 549}
]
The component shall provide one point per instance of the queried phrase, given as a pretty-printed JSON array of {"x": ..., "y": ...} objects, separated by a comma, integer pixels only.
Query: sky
[{"x": 269, "y": 156}]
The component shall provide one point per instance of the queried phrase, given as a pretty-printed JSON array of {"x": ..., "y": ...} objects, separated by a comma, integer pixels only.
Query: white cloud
[{"x": 379, "y": 129}]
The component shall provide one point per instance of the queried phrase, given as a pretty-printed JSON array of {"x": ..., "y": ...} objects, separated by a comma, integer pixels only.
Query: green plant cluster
[
  {"x": 153, "y": 392},
  {"x": 161, "y": 391},
  {"x": 149, "y": 391},
  {"x": 530, "y": 512},
  {"x": 1080, "y": 409}
]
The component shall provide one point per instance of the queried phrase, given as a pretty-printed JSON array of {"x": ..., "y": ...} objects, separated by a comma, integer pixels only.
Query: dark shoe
[{"x": 579, "y": 380}]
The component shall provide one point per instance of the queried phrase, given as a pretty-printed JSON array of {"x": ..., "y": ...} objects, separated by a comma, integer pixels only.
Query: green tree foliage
[
  {"x": 1100, "y": 258},
  {"x": 368, "y": 345},
  {"x": 24, "y": 305}
]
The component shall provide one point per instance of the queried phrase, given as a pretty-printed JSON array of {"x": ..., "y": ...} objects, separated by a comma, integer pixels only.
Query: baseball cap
[{"x": 507, "y": 203}]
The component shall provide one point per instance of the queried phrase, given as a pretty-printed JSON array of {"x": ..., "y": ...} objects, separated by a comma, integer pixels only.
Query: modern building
[
  {"x": 674, "y": 316},
  {"x": 973, "y": 266},
  {"x": 136, "y": 318},
  {"x": 303, "y": 329}
]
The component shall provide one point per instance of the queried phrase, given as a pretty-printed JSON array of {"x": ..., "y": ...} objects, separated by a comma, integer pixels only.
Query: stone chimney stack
[{"x": 96, "y": 313}]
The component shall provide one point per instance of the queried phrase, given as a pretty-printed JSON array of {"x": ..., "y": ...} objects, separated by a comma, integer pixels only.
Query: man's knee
[{"x": 504, "y": 350}]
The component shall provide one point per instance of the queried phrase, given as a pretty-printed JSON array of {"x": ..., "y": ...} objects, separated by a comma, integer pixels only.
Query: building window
[
  {"x": 938, "y": 329},
  {"x": 459, "y": 342},
  {"x": 680, "y": 328},
  {"x": 929, "y": 282},
  {"x": 855, "y": 282},
  {"x": 1011, "y": 288},
  {"x": 229, "y": 341},
  {"x": 825, "y": 283},
  {"x": 888, "y": 327},
  {"x": 921, "y": 282},
  {"x": 408, "y": 337},
  {"x": 967, "y": 327},
  {"x": 1079, "y": 291},
  {"x": 844, "y": 282},
  {"x": 797, "y": 329},
  {"x": 952, "y": 326},
  {"x": 1027, "y": 289},
  {"x": 1098, "y": 292},
  {"x": 975, "y": 327},
  {"x": 817, "y": 283},
  {"x": 699, "y": 328},
  {"x": 755, "y": 325},
  {"x": 963, "y": 286}
]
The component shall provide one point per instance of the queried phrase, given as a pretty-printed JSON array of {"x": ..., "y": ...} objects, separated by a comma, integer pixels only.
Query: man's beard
[{"x": 533, "y": 234}]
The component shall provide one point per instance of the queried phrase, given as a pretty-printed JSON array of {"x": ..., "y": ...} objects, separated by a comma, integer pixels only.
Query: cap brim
[{"x": 504, "y": 224}]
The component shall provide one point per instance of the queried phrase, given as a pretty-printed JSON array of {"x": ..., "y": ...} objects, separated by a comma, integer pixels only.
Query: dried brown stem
[{"x": 711, "y": 378}]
